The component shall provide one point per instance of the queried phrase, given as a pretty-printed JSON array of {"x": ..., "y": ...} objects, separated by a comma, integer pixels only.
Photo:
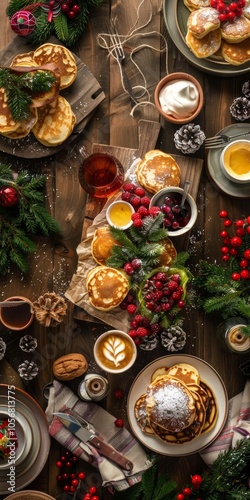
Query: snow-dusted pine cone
[
  {"x": 174, "y": 338},
  {"x": 149, "y": 343},
  {"x": 49, "y": 309},
  {"x": 27, "y": 343},
  {"x": 2, "y": 348},
  {"x": 28, "y": 370},
  {"x": 240, "y": 108},
  {"x": 189, "y": 138},
  {"x": 246, "y": 89}
]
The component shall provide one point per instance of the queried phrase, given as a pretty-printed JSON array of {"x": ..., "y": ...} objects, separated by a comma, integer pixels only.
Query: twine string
[{"x": 114, "y": 45}]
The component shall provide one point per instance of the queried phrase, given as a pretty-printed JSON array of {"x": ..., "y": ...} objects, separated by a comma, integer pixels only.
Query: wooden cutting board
[
  {"x": 191, "y": 169},
  {"x": 84, "y": 95}
]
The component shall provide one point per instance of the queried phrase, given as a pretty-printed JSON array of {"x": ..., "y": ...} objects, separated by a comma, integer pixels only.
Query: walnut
[{"x": 49, "y": 309}]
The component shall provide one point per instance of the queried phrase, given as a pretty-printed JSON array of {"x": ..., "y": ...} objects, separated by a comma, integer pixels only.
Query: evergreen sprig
[
  {"x": 153, "y": 486},
  {"x": 217, "y": 292},
  {"x": 19, "y": 88},
  {"x": 27, "y": 218},
  {"x": 66, "y": 30}
]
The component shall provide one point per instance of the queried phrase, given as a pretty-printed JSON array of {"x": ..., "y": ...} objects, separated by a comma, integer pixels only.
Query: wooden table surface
[{"x": 54, "y": 263}]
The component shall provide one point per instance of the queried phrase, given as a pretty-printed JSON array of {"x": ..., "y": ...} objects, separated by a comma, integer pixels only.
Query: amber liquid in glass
[{"x": 101, "y": 175}]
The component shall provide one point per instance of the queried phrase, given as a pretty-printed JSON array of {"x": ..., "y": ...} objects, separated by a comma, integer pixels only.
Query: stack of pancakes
[
  {"x": 107, "y": 287},
  {"x": 51, "y": 118},
  {"x": 207, "y": 36},
  {"x": 157, "y": 170},
  {"x": 177, "y": 406}
]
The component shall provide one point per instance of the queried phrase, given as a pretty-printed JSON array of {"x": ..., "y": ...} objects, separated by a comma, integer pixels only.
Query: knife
[{"x": 85, "y": 433}]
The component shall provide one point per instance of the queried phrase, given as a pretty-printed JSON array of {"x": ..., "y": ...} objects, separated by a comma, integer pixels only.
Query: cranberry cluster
[
  {"x": 162, "y": 292},
  {"x": 70, "y": 480},
  {"x": 228, "y": 11},
  {"x": 175, "y": 215},
  {"x": 70, "y": 7},
  {"x": 193, "y": 490},
  {"x": 237, "y": 246}
]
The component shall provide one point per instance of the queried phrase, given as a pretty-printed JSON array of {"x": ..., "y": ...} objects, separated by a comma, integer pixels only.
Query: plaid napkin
[
  {"x": 61, "y": 398},
  {"x": 237, "y": 426}
]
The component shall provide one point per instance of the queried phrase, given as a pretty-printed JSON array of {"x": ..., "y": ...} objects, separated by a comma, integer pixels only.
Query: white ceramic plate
[
  {"x": 176, "y": 15},
  {"x": 215, "y": 171},
  {"x": 209, "y": 375},
  {"x": 31, "y": 467}
]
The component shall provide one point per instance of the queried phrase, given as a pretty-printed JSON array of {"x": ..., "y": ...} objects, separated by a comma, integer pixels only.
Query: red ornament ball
[
  {"x": 119, "y": 422},
  {"x": 8, "y": 196},
  {"x": 23, "y": 23}
]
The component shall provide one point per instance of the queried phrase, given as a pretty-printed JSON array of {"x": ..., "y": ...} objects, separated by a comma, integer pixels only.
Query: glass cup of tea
[{"x": 101, "y": 175}]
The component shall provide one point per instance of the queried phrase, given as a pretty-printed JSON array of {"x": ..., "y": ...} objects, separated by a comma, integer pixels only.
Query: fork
[
  {"x": 118, "y": 51},
  {"x": 219, "y": 141}
]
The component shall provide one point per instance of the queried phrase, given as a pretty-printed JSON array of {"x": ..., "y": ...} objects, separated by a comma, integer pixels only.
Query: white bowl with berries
[{"x": 179, "y": 219}]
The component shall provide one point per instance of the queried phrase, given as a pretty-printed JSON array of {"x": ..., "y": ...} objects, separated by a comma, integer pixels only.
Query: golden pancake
[
  {"x": 7, "y": 124},
  {"x": 212, "y": 409},
  {"x": 184, "y": 372},
  {"x": 206, "y": 46},
  {"x": 55, "y": 122},
  {"x": 102, "y": 244},
  {"x": 196, "y": 4},
  {"x": 61, "y": 57},
  {"x": 107, "y": 287},
  {"x": 169, "y": 254},
  {"x": 236, "y": 53},
  {"x": 200, "y": 22},
  {"x": 188, "y": 433},
  {"x": 203, "y": 394},
  {"x": 141, "y": 415},
  {"x": 24, "y": 127},
  {"x": 157, "y": 170},
  {"x": 237, "y": 31},
  {"x": 159, "y": 372},
  {"x": 170, "y": 404},
  {"x": 25, "y": 59}
]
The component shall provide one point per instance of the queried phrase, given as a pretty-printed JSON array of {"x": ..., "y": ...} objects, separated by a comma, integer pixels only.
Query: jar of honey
[{"x": 232, "y": 337}]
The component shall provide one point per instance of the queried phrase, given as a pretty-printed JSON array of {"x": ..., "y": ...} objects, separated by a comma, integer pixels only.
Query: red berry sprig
[
  {"x": 191, "y": 491},
  {"x": 236, "y": 246},
  {"x": 228, "y": 11},
  {"x": 70, "y": 480}
]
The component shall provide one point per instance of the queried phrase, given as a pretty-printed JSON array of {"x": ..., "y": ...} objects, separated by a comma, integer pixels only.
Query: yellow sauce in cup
[
  {"x": 119, "y": 214},
  {"x": 237, "y": 159}
]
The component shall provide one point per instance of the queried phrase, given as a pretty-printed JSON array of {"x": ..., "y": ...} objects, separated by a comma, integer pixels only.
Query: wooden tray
[
  {"x": 191, "y": 169},
  {"x": 84, "y": 95}
]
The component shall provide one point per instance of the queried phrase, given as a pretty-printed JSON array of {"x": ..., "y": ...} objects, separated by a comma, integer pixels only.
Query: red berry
[
  {"x": 126, "y": 196},
  {"x": 76, "y": 8},
  {"x": 223, "y": 214},
  {"x": 118, "y": 394},
  {"x": 132, "y": 333},
  {"x": 224, "y": 250},
  {"x": 222, "y": 17},
  {"x": 244, "y": 263},
  {"x": 236, "y": 241},
  {"x": 143, "y": 211},
  {"x": 223, "y": 234},
  {"x": 181, "y": 304},
  {"x": 240, "y": 231},
  {"x": 239, "y": 223},
  {"x": 74, "y": 483},
  {"x": 180, "y": 496},
  {"x": 129, "y": 187},
  {"x": 248, "y": 219},
  {"x": 136, "y": 263},
  {"x": 231, "y": 16},
  {"x": 225, "y": 258},
  {"x": 128, "y": 268},
  {"x": 145, "y": 201},
  {"x": 92, "y": 490},
  {"x": 247, "y": 254},
  {"x": 59, "y": 464},
  {"x": 138, "y": 223},
  {"x": 66, "y": 487},
  {"x": 227, "y": 223},
  {"x": 95, "y": 497},
  {"x": 245, "y": 274},
  {"x": 87, "y": 496},
  {"x": 187, "y": 492},
  {"x": 65, "y": 8},
  {"x": 235, "y": 276},
  {"x": 131, "y": 308},
  {"x": 136, "y": 216},
  {"x": 141, "y": 331},
  {"x": 196, "y": 480},
  {"x": 154, "y": 211},
  {"x": 234, "y": 251},
  {"x": 140, "y": 192},
  {"x": 119, "y": 422}
]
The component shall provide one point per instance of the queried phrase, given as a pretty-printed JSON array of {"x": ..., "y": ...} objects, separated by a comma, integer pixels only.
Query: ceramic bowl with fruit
[{"x": 179, "y": 218}]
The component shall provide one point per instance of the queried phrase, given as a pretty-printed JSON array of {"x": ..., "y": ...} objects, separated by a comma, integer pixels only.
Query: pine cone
[
  {"x": 174, "y": 338},
  {"x": 189, "y": 138},
  {"x": 2, "y": 348},
  {"x": 149, "y": 343},
  {"x": 27, "y": 343},
  {"x": 246, "y": 89},
  {"x": 240, "y": 108},
  {"x": 28, "y": 370},
  {"x": 49, "y": 309}
]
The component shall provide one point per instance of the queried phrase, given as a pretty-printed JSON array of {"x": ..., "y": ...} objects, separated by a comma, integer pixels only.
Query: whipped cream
[{"x": 179, "y": 98}]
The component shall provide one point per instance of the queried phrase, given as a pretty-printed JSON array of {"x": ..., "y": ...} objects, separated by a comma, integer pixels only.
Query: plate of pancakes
[
  {"x": 177, "y": 405},
  {"x": 215, "y": 171},
  {"x": 197, "y": 47},
  {"x": 57, "y": 116}
]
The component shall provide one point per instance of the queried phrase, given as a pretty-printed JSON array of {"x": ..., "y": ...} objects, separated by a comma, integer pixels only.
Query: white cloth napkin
[
  {"x": 62, "y": 398},
  {"x": 237, "y": 426}
]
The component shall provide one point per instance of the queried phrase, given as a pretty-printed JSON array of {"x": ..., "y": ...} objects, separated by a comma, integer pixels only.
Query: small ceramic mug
[{"x": 16, "y": 313}]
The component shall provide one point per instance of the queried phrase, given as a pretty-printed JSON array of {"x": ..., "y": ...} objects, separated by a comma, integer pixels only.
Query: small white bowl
[
  {"x": 119, "y": 214},
  {"x": 235, "y": 161},
  {"x": 159, "y": 199},
  {"x": 115, "y": 351}
]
